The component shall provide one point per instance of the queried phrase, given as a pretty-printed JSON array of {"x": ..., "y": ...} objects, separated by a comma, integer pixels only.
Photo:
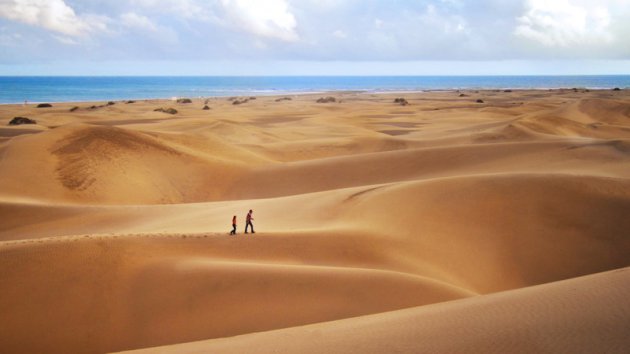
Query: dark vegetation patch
[
  {"x": 166, "y": 110},
  {"x": 22, "y": 120},
  {"x": 401, "y": 101},
  {"x": 328, "y": 99}
]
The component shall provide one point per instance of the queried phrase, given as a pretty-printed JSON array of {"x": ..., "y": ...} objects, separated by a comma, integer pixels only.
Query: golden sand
[{"x": 441, "y": 226}]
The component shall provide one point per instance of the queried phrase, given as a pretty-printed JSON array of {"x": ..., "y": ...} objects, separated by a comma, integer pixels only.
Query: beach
[{"x": 459, "y": 221}]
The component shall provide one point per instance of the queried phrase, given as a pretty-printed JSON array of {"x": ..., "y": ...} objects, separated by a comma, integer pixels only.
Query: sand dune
[
  {"x": 569, "y": 316},
  {"x": 110, "y": 292},
  {"x": 110, "y": 165},
  {"x": 115, "y": 221}
]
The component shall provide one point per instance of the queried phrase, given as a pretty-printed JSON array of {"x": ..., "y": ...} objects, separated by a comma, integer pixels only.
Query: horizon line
[{"x": 311, "y": 75}]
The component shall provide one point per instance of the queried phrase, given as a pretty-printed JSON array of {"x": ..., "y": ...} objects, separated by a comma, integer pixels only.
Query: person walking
[
  {"x": 233, "y": 232},
  {"x": 248, "y": 221}
]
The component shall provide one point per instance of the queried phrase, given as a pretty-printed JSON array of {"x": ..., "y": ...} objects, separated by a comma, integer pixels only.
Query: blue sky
[{"x": 314, "y": 37}]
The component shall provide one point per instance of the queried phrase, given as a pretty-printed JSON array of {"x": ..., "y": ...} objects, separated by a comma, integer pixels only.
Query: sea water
[{"x": 17, "y": 89}]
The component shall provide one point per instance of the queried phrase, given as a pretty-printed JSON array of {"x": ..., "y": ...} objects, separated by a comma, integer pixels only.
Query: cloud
[
  {"x": 66, "y": 40},
  {"x": 433, "y": 19},
  {"x": 559, "y": 23},
  {"x": 431, "y": 31},
  {"x": 187, "y": 9},
  {"x": 133, "y": 20},
  {"x": 313, "y": 30},
  {"x": 269, "y": 19},
  {"x": 146, "y": 28},
  {"x": 54, "y": 15}
]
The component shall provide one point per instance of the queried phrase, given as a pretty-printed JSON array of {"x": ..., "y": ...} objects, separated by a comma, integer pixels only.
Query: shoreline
[
  {"x": 327, "y": 92},
  {"x": 14, "y": 90}
]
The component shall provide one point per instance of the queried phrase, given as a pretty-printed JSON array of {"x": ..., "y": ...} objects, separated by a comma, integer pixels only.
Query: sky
[{"x": 314, "y": 37}]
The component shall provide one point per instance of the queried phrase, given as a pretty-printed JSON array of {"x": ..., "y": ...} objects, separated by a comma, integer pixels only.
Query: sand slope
[
  {"x": 115, "y": 221},
  {"x": 572, "y": 316}
]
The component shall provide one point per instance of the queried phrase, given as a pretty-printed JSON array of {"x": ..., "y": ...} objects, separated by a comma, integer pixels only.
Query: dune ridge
[{"x": 378, "y": 226}]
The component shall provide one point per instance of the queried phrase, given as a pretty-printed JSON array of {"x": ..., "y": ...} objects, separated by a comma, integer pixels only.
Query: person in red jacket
[
  {"x": 248, "y": 221},
  {"x": 233, "y": 232}
]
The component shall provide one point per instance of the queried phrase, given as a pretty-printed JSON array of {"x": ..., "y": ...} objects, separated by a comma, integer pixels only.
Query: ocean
[{"x": 14, "y": 89}]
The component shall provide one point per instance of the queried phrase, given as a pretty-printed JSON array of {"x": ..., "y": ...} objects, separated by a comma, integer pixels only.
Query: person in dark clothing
[
  {"x": 248, "y": 221},
  {"x": 233, "y": 232}
]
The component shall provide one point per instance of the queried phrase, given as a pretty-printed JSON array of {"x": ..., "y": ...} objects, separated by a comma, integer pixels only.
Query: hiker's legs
[
  {"x": 233, "y": 232},
  {"x": 246, "y": 226}
]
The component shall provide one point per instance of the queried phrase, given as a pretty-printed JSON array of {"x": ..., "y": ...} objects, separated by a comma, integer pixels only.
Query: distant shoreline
[
  {"x": 316, "y": 94},
  {"x": 37, "y": 89}
]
